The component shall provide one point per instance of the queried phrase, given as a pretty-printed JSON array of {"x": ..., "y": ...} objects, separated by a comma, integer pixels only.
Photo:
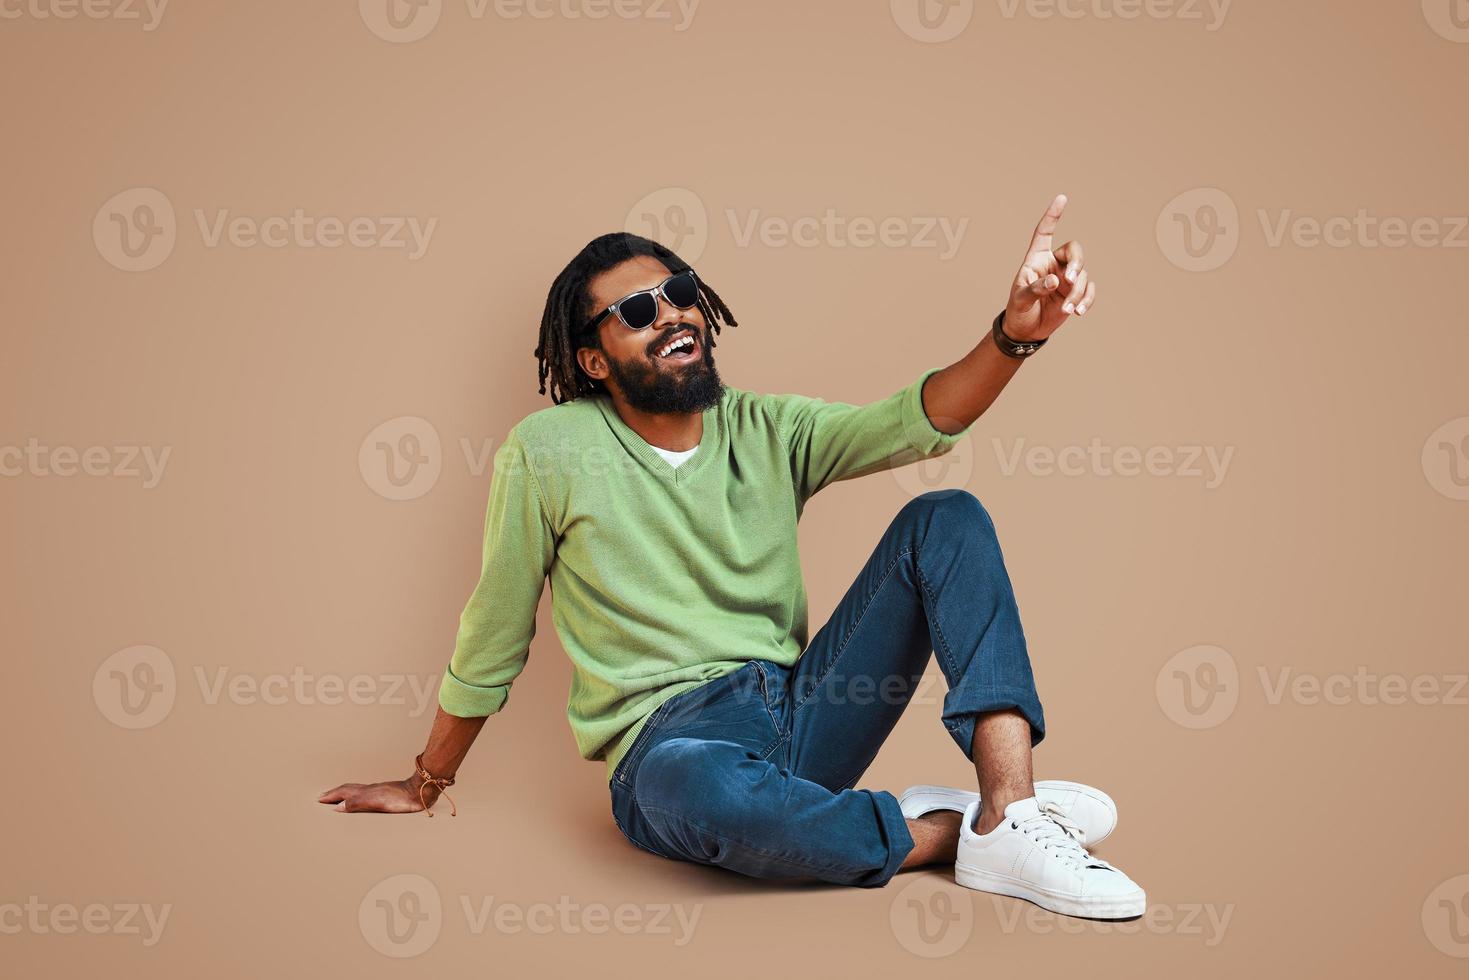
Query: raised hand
[{"x": 1052, "y": 284}]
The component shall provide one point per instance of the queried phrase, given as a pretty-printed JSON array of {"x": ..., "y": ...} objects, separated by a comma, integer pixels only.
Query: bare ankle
[
  {"x": 992, "y": 809},
  {"x": 989, "y": 818},
  {"x": 935, "y": 838}
]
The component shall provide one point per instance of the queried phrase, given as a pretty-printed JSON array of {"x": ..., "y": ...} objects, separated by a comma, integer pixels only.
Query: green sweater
[{"x": 662, "y": 578}]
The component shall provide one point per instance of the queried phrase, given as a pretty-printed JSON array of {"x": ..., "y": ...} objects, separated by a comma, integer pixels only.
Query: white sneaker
[
  {"x": 1089, "y": 808},
  {"x": 1034, "y": 854}
]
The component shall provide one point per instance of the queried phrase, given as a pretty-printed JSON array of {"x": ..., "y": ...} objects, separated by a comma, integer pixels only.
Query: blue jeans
[{"x": 754, "y": 771}]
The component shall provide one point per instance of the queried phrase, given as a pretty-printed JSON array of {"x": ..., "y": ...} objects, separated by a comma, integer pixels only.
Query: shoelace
[
  {"x": 1072, "y": 828},
  {"x": 1060, "y": 837}
]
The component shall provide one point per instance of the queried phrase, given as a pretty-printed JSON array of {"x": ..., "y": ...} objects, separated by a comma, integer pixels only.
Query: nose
[{"x": 668, "y": 314}]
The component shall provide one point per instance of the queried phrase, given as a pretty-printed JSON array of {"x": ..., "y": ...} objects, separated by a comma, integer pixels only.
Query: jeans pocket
[
  {"x": 761, "y": 680},
  {"x": 629, "y": 821},
  {"x": 770, "y": 689},
  {"x": 636, "y": 749}
]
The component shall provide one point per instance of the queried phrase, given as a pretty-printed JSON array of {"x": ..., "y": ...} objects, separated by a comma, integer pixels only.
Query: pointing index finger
[{"x": 1045, "y": 231}]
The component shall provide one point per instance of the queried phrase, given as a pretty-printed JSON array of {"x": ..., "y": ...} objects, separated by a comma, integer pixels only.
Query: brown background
[{"x": 1321, "y": 830}]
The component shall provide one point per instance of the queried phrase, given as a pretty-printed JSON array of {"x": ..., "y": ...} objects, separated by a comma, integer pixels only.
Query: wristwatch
[{"x": 1017, "y": 349}]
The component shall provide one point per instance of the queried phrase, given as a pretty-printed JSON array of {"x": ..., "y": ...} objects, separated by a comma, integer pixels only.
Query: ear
[{"x": 593, "y": 362}]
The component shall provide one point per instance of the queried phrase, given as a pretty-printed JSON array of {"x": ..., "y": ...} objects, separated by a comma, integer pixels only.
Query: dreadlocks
[{"x": 569, "y": 306}]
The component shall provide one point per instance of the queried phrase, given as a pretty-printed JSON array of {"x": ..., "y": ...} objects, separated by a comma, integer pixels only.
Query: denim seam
[
  {"x": 862, "y": 615},
  {"x": 750, "y": 847},
  {"x": 631, "y": 839},
  {"x": 770, "y": 712},
  {"x": 635, "y": 750},
  {"x": 933, "y": 618}
]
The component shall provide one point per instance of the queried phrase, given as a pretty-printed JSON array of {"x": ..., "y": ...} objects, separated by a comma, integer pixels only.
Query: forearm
[
  {"x": 1051, "y": 286},
  {"x": 962, "y": 392},
  {"x": 448, "y": 743}
]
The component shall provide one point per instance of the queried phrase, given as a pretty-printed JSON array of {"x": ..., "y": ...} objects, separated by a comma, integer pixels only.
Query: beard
[{"x": 686, "y": 388}]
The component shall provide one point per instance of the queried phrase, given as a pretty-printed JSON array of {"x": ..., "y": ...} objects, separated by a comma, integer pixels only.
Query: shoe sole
[
  {"x": 1114, "y": 907},
  {"x": 931, "y": 798}
]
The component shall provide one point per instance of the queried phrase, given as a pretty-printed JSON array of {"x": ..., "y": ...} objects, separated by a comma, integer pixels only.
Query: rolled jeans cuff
[
  {"x": 962, "y": 708},
  {"x": 895, "y": 832}
]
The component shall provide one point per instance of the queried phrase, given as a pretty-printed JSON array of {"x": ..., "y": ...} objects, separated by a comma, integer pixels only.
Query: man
[{"x": 663, "y": 507}]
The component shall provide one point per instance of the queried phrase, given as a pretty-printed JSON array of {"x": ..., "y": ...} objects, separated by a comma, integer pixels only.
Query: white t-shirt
[{"x": 674, "y": 458}]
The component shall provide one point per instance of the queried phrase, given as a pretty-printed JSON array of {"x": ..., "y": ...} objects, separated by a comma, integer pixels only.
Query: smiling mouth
[{"x": 684, "y": 347}]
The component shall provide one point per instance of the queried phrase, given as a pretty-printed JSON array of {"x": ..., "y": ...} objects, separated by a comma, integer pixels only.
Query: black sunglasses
[{"x": 639, "y": 310}]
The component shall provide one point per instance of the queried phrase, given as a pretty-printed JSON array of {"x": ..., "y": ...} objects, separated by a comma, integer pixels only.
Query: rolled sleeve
[
  {"x": 922, "y": 436},
  {"x": 469, "y": 700},
  {"x": 499, "y": 620}
]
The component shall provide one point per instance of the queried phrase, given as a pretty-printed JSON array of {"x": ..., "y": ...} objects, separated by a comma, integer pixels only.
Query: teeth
[{"x": 684, "y": 341}]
